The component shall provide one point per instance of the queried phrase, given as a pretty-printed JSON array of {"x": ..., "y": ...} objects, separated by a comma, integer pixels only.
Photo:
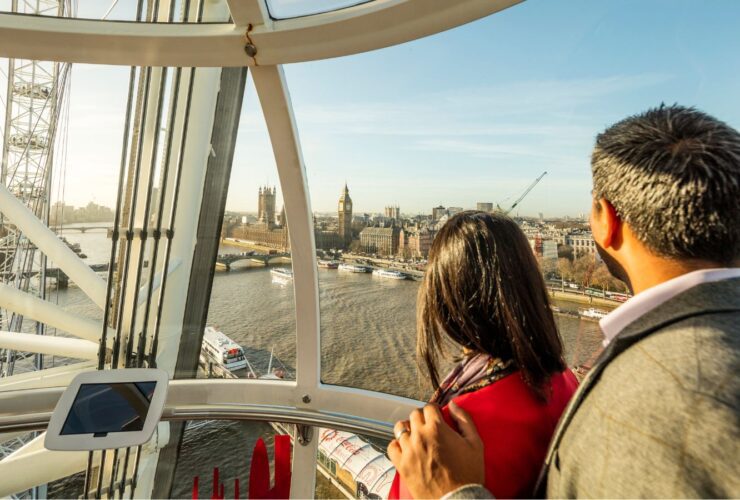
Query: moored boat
[
  {"x": 389, "y": 274},
  {"x": 592, "y": 313},
  {"x": 220, "y": 349},
  {"x": 281, "y": 275},
  {"x": 328, "y": 264},
  {"x": 354, "y": 268}
]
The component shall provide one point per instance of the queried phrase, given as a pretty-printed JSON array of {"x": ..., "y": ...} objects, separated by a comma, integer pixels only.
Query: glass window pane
[
  {"x": 68, "y": 487},
  {"x": 226, "y": 445},
  {"x": 252, "y": 299},
  {"x": 56, "y": 135},
  {"x": 119, "y": 10},
  {"x": 284, "y": 9},
  {"x": 359, "y": 309},
  {"x": 353, "y": 466},
  {"x": 416, "y": 144}
]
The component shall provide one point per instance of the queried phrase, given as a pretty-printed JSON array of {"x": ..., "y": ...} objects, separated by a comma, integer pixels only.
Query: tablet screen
[{"x": 110, "y": 407}]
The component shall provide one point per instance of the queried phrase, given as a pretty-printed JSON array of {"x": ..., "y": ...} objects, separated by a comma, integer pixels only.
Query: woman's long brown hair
[{"x": 483, "y": 290}]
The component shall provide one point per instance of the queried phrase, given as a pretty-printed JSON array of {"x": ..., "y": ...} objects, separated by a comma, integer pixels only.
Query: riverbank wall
[
  {"x": 232, "y": 242},
  {"x": 583, "y": 299}
]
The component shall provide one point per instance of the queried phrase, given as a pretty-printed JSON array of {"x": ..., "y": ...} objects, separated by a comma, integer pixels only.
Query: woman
[{"x": 483, "y": 294}]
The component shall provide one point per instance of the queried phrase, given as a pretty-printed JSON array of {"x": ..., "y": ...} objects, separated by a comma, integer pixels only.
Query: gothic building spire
[{"x": 345, "y": 217}]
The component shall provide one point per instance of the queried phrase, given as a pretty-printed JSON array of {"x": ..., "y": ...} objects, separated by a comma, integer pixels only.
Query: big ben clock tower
[{"x": 345, "y": 217}]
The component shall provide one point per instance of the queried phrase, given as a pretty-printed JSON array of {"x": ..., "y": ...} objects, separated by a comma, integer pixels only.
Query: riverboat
[
  {"x": 281, "y": 275},
  {"x": 592, "y": 313},
  {"x": 389, "y": 274},
  {"x": 328, "y": 264},
  {"x": 354, "y": 268},
  {"x": 220, "y": 349}
]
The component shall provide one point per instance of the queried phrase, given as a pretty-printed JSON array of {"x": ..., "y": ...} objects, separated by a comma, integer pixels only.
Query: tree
[
  {"x": 548, "y": 266},
  {"x": 602, "y": 277},
  {"x": 565, "y": 268},
  {"x": 541, "y": 265},
  {"x": 617, "y": 285},
  {"x": 583, "y": 269}
]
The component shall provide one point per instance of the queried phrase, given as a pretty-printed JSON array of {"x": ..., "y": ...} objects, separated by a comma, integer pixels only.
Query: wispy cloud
[
  {"x": 529, "y": 108},
  {"x": 488, "y": 150}
]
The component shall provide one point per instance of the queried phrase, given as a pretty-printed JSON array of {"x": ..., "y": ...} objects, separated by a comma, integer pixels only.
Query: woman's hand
[{"x": 431, "y": 457}]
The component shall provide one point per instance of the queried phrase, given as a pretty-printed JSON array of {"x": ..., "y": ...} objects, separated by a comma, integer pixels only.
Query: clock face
[{"x": 349, "y": 206}]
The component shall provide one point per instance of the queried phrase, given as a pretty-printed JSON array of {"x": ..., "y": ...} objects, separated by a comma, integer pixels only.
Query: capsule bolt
[
  {"x": 250, "y": 49},
  {"x": 306, "y": 398}
]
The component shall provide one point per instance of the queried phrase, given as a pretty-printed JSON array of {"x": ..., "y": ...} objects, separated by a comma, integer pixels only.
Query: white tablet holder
[{"x": 107, "y": 409}]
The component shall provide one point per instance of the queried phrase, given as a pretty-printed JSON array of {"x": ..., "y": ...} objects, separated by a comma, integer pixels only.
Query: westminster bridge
[{"x": 226, "y": 260}]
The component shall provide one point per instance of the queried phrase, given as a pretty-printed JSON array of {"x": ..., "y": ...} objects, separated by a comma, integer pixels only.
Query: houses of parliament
[{"x": 271, "y": 230}]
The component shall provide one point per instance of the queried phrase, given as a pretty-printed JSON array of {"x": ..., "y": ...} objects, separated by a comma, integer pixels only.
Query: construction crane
[{"x": 525, "y": 193}]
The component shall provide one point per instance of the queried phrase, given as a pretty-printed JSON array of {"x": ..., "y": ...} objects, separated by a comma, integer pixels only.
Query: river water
[{"x": 367, "y": 341}]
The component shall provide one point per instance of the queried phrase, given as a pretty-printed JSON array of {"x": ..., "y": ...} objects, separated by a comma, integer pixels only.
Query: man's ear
[{"x": 605, "y": 224}]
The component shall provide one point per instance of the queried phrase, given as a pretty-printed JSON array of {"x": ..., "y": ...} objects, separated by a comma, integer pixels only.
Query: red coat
[{"x": 515, "y": 428}]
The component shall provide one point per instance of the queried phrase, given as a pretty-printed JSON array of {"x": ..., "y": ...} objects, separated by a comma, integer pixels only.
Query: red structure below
[{"x": 259, "y": 474}]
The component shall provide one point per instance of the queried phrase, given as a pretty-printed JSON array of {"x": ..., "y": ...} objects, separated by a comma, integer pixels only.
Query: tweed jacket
[{"x": 659, "y": 413}]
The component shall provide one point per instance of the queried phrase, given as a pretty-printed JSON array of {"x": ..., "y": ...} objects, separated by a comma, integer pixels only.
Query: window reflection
[{"x": 285, "y": 9}]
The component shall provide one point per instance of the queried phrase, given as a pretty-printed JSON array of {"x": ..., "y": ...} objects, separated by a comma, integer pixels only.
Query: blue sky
[{"x": 472, "y": 114}]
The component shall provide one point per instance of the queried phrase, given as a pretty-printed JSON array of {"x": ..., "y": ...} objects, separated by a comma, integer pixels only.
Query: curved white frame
[{"x": 369, "y": 26}]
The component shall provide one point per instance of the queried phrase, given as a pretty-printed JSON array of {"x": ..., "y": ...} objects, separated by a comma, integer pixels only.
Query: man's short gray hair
[{"x": 673, "y": 174}]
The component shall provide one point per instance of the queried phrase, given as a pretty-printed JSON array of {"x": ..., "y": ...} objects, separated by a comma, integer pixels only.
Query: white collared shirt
[{"x": 649, "y": 299}]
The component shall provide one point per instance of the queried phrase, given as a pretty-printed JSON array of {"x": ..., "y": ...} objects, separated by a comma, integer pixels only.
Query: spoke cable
[
  {"x": 173, "y": 212},
  {"x": 163, "y": 185}
]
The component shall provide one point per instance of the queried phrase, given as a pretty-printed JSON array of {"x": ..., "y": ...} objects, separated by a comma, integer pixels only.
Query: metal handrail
[
  {"x": 288, "y": 415},
  {"x": 342, "y": 408}
]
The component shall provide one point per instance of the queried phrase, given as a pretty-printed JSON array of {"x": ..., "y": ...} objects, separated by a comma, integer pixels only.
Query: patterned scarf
[{"x": 474, "y": 372}]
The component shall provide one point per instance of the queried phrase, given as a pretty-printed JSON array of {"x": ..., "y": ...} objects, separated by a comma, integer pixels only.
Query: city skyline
[
  {"x": 391, "y": 234},
  {"x": 471, "y": 115},
  {"x": 357, "y": 213}
]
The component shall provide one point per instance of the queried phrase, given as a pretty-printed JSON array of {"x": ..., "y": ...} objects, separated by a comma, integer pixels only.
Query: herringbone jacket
[{"x": 659, "y": 414}]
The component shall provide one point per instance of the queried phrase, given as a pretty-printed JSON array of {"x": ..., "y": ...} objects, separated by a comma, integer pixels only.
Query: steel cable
[
  {"x": 166, "y": 160},
  {"x": 173, "y": 212}
]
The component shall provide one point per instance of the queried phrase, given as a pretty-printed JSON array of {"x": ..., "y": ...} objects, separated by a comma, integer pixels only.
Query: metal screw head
[
  {"x": 304, "y": 434},
  {"x": 250, "y": 49},
  {"x": 306, "y": 398}
]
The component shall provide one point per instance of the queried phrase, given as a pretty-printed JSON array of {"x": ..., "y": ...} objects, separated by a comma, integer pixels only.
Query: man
[{"x": 659, "y": 413}]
